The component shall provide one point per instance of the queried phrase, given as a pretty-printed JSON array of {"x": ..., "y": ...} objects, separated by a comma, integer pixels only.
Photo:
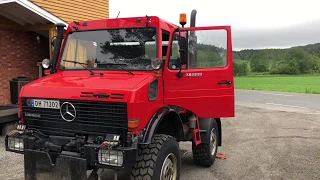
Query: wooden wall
[{"x": 76, "y": 10}]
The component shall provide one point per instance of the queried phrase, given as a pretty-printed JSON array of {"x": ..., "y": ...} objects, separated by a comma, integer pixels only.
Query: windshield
[{"x": 113, "y": 49}]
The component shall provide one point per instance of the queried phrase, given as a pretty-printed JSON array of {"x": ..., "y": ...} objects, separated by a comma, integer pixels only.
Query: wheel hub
[
  {"x": 169, "y": 168},
  {"x": 213, "y": 138}
]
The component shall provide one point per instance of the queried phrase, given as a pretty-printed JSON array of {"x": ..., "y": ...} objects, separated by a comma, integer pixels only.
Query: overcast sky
[{"x": 254, "y": 23}]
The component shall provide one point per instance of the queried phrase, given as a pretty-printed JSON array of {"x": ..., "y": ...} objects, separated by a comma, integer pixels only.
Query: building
[{"x": 26, "y": 30}]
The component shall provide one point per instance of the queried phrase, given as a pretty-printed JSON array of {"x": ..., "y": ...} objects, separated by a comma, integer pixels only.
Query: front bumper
[
  {"x": 44, "y": 163},
  {"x": 38, "y": 165}
]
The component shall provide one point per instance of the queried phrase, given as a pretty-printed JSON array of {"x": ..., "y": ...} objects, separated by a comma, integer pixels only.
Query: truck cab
[{"x": 126, "y": 90}]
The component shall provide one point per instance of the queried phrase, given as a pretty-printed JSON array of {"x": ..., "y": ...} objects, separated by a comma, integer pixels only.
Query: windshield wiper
[
  {"x": 82, "y": 64},
  {"x": 120, "y": 66}
]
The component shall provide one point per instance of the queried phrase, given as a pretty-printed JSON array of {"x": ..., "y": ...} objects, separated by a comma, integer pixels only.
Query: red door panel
[{"x": 206, "y": 85}]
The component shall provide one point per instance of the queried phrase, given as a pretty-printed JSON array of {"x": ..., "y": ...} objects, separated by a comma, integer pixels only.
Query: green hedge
[{"x": 240, "y": 68}]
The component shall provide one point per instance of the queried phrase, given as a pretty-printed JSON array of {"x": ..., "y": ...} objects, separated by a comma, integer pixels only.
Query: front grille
[{"x": 92, "y": 117}]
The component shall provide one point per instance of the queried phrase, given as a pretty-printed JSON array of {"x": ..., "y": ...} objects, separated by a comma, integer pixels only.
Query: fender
[
  {"x": 204, "y": 123},
  {"x": 156, "y": 119}
]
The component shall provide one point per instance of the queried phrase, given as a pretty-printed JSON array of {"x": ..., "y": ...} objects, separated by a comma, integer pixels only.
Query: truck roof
[{"x": 123, "y": 22}]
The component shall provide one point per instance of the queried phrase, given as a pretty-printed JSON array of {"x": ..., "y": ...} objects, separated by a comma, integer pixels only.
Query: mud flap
[{"x": 38, "y": 166}]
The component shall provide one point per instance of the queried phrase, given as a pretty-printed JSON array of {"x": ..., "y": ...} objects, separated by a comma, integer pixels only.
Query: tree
[
  {"x": 304, "y": 60},
  {"x": 259, "y": 62},
  {"x": 286, "y": 67},
  {"x": 240, "y": 68}
]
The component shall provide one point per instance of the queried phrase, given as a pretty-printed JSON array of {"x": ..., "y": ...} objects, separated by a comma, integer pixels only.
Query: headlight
[
  {"x": 45, "y": 63},
  {"x": 15, "y": 143},
  {"x": 110, "y": 157},
  {"x": 156, "y": 63}
]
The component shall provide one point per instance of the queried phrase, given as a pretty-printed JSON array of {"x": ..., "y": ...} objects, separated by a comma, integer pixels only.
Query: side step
[{"x": 196, "y": 133}]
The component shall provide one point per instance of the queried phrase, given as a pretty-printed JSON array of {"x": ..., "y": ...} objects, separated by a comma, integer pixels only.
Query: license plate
[{"x": 41, "y": 103}]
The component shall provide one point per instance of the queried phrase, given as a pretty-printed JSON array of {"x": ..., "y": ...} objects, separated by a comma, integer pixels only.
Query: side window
[{"x": 207, "y": 48}]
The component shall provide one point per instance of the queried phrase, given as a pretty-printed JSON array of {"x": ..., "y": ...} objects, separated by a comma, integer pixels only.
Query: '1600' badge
[{"x": 193, "y": 74}]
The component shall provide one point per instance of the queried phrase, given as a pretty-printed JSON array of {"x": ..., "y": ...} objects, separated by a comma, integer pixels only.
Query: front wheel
[
  {"x": 205, "y": 153},
  {"x": 159, "y": 160}
]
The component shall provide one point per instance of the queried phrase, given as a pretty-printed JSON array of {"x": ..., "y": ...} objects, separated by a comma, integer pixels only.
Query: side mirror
[
  {"x": 183, "y": 50},
  {"x": 182, "y": 56},
  {"x": 165, "y": 49},
  {"x": 182, "y": 53}
]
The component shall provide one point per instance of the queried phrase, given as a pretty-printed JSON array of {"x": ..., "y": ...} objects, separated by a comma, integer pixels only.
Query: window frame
[
  {"x": 187, "y": 64},
  {"x": 67, "y": 36}
]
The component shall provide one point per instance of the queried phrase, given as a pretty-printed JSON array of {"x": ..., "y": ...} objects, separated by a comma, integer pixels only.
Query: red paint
[{"x": 201, "y": 95}]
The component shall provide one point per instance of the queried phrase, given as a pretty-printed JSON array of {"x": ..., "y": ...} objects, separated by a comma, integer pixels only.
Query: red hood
[{"x": 72, "y": 84}]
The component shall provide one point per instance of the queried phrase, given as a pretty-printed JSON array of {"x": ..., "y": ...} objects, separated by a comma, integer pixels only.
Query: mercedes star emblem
[{"x": 68, "y": 111}]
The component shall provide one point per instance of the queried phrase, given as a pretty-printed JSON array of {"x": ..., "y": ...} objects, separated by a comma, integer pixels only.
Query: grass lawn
[{"x": 300, "y": 84}]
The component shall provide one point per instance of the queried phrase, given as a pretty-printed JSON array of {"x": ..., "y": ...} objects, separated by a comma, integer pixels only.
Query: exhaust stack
[
  {"x": 193, "y": 40},
  {"x": 193, "y": 18}
]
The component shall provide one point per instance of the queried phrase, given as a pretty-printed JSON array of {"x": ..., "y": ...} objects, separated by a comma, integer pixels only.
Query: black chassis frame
[{"x": 41, "y": 161}]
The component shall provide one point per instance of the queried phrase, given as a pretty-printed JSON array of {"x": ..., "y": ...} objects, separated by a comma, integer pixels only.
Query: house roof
[{"x": 25, "y": 12}]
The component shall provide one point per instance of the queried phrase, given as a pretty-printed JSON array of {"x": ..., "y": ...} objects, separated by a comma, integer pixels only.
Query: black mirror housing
[
  {"x": 165, "y": 49},
  {"x": 183, "y": 50}
]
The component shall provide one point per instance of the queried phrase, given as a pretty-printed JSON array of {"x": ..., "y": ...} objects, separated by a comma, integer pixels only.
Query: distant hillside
[
  {"x": 292, "y": 61},
  {"x": 274, "y": 54},
  {"x": 313, "y": 49}
]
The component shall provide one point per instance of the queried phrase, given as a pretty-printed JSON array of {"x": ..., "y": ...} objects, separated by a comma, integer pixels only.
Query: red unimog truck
[{"x": 121, "y": 94}]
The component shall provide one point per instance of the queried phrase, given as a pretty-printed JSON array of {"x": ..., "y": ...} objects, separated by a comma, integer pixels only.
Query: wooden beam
[
  {"x": 15, "y": 16},
  {"x": 12, "y": 18},
  {"x": 38, "y": 27},
  {"x": 12, "y": 26},
  {"x": 9, "y": 24}
]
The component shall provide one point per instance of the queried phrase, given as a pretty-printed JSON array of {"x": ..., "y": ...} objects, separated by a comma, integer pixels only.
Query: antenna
[{"x": 118, "y": 14}]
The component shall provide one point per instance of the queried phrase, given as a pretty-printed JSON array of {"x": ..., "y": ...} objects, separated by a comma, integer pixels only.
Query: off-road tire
[
  {"x": 151, "y": 157},
  {"x": 201, "y": 153}
]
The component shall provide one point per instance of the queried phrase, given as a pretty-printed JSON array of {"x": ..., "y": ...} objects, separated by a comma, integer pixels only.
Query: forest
[{"x": 291, "y": 61}]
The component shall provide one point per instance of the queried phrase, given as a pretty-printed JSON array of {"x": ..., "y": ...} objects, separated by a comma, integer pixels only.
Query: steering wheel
[{"x": 174, "y": 63}]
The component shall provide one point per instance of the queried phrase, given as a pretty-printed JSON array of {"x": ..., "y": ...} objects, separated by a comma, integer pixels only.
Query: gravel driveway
[{"x": 258, "y": 143}]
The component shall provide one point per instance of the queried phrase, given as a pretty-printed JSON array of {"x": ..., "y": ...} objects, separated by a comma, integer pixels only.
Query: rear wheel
[
  {"x": 160, "y": 160},
  {"x": 205, "y": 153}
]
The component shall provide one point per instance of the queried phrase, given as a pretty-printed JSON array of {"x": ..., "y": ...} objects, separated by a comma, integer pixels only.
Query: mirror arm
[
  {"x": 53, "y": 40},
  {"x": 179, "y": 74}
]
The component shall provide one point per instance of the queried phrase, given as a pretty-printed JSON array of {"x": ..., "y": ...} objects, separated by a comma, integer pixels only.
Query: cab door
[{"x": 206, "y": 84}]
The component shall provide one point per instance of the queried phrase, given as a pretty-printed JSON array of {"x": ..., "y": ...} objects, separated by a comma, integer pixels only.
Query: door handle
[{"x": 225, "y": 82}]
